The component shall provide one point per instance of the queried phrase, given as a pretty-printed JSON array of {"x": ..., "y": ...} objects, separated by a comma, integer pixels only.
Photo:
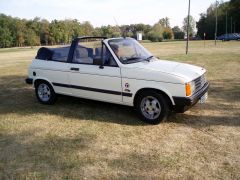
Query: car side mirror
[{"x": 98, "y": 61}]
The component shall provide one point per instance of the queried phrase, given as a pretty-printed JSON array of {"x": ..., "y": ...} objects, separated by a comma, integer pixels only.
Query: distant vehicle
[
  {"x": 229, "y": 37},
  {"x": 117, "y": 70},
  {"x": 195, "y": 38}
]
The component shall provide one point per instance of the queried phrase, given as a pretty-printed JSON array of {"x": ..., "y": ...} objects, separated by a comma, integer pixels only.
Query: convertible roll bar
[
  {"x": 90, "y": 37},
  {"x": 75, "y": 43}
]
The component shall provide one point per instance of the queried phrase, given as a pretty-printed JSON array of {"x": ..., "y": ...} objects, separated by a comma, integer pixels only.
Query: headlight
[
  {"x": 190, "y": 88},
  {"x": 204, "y": 78},
  {"x": 193, "y": 87}
]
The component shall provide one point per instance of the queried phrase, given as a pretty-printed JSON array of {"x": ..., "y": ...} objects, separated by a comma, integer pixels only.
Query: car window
[
  {"x": 108, "y": 59},
  {"x": 93, "y": 52},
  {"x": 87, "y": 51},
  {"x": 84, "y": 53}
]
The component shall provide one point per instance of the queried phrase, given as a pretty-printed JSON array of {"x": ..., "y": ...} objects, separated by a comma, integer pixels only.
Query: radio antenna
[
  {"x": 118, "y": 26},
  {"x": 115, "y": 21}
]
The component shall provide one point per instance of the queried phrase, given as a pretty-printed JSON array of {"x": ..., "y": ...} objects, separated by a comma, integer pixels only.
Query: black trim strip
[
  {"x": 93, "y": 89},
  {"x": 78, "y": 72},
  {"x": 29, "y": 80},
  {"x": 127, "y": 94}
]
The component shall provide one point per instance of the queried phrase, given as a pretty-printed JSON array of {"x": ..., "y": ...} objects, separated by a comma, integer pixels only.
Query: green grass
[{"x": 77, "y": 138}]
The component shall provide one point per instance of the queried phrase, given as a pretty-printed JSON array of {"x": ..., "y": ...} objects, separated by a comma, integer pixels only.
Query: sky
[{"x": 104, "y": 12}]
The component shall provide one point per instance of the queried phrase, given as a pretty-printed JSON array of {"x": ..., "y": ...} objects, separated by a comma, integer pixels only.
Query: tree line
[
  {"x": 228, "y": 15},
  {"x": 37, "y": 31}
]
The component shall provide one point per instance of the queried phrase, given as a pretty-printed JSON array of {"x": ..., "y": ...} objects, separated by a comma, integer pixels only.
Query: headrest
[{"x": 81, "y": 53}]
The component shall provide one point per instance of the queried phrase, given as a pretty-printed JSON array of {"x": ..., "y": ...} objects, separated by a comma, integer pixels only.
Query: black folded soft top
[{"x": 56, "y": 54}]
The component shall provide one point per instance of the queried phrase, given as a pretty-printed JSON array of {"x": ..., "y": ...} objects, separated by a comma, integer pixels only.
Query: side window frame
[
  {"x": 107, "y": 49},
  {"x": 74, "y": 45}
]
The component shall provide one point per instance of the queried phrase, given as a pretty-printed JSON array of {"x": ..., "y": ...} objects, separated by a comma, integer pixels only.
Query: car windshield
[{"x": 128, "y": 50}]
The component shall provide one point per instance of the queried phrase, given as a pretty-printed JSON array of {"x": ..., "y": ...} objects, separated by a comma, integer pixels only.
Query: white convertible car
[{"x": 117, "y": 70}]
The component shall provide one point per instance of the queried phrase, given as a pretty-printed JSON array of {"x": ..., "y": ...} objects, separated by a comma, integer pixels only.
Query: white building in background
[{"x": 139, "y": 36}]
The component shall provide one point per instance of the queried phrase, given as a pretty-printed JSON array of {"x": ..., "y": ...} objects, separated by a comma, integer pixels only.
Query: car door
[{"x": 93, "y": 81}]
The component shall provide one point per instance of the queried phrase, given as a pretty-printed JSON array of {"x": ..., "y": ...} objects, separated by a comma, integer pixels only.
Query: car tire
[
  {"x": 152, "y": 107},
  {"x": 45, "y": 93}
]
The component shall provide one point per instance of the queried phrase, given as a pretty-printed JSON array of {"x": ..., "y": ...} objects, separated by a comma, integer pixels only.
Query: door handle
[
  {"x": 101, "y": 67},
  {"x": 74, "y": 69}
]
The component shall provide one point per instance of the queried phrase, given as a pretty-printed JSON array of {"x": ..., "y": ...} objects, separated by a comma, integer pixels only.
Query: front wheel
[
  {"x": 152, "y": 107},
  {"x": 45, "y": 93}
]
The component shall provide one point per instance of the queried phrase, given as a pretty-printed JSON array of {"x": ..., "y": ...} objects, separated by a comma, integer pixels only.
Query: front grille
[{"x": 199, "y": 82}]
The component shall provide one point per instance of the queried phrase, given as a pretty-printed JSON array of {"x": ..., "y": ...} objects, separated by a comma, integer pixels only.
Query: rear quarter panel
[{"x": 53, "y": 72}]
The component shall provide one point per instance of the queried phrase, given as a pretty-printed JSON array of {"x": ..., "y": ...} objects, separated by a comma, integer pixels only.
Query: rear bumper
[
  {"x": 184, "y": 103},
  {"x": 29, "y": 80}
]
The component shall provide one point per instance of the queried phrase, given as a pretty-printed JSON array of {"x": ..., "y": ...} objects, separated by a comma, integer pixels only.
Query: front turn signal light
[{"x": 188, "y": 89}]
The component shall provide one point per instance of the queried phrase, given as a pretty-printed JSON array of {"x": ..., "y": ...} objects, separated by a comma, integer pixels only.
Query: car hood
[{"x": 184, "y": 71}]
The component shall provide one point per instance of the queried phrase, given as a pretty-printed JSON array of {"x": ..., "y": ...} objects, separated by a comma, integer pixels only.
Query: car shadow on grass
[
  {"x": 35, "y": 154},
  {"x": 25, "y": 154},
  {"x": 19, "y": 98}
]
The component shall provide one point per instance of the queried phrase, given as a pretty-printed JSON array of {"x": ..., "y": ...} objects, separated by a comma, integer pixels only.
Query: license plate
[{"x": 203, "y": 99}]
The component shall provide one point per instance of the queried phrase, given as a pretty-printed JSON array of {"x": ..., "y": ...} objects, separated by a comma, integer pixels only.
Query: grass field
[{"x": 76, "y": 138}]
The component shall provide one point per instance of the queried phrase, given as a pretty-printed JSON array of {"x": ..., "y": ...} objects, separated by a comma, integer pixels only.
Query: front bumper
[
  {"x": 184, "y": 103},
  {"x": 29, "y": 80}
]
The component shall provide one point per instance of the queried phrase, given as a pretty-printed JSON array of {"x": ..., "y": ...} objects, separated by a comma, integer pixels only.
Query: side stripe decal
[{"x": 93, "y": 89}]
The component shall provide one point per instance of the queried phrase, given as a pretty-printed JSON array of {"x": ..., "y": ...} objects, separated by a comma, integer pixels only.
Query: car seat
[{"x": 81, "y": 56}]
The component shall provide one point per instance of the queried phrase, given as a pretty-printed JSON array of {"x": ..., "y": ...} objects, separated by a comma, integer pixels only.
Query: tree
[
  {"x": 20, "y": 28},
  {"x": 178, "y": 33},
  {"x": 108, "y": 31},
  {"x": 133, "y": 29},
  {"x": 156, "y": 34},
  {"x": 161, "y": 30},
  {"x": 234, "y": 9},
  {"x": 116, "y": 31},
  {"x": 192, "y": 25},
  {"x": 87, "y": 28},
  {"x": 77, "y": 31},
  {"x": 105, "y": 31},
  {"x": 127, "y": 31},
  {"x": 31, "y": 39},
  {"x": 5, "y": 37},
  {"x": 129, "y": 34},
  {"x": 164, "y": 22},
  {"x": 167, "y": 33},
  {"x": 97, "y": 32},
  {"x": 206, "y": 23},
  {"x": 44, "y": 32},
  {"x": 35, "y": 25}
]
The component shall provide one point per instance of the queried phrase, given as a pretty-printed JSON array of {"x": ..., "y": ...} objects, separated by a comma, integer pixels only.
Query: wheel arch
[
  {"x": 166, "y": 95},
  {"x": 39, "y": 79},
  {"x": 52, "y": 96}
]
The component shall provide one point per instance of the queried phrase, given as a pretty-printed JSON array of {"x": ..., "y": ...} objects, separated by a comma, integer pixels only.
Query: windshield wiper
[
  {"x": 136, "y": 59},
  {"x": 148, "y": 58},
  {"x": 133, "y": 58}
]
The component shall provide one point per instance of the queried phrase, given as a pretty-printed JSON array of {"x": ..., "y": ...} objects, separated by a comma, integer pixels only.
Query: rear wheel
[
  {"x": 152, "y": 107},
  {"x": 45, "y": 93}
]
